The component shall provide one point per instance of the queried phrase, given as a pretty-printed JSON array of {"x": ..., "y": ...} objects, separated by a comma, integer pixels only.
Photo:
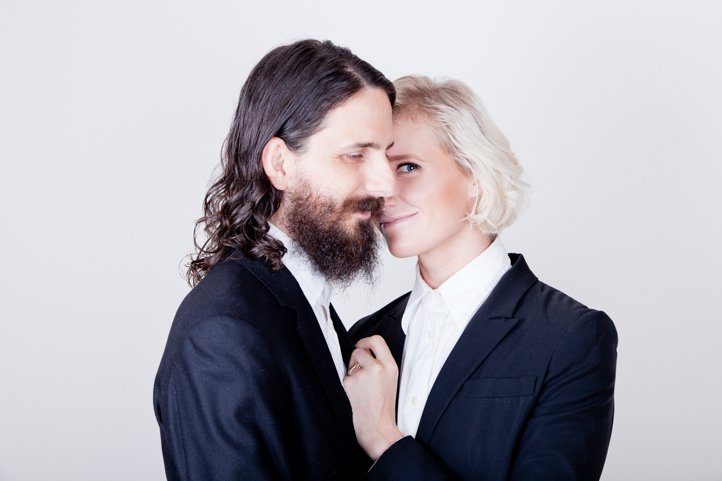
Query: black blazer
[
  {"x": 247, "y": 388},
  {"x": 526, "y": 394}
]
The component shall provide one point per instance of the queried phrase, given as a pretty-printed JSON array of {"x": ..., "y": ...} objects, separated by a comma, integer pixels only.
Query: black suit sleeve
[
  {"x": 220, "y": 409},
  {"x": 567, "y": 436},
  {"x": 408, "y": 460}
]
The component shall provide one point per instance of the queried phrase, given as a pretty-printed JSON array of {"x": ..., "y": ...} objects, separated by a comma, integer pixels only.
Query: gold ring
[{"x": 353, "y": 368}]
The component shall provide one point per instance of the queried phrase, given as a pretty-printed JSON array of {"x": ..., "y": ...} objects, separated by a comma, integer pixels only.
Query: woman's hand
[{"x": 371, "y": 388}]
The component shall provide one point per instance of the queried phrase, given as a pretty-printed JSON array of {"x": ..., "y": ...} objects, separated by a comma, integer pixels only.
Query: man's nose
[{"x": 379, "y": 176}]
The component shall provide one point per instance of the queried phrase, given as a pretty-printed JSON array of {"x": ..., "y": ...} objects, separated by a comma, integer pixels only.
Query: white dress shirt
[
  {"x": 317, "y": 291},
  {"x": 433, "y": 322}
]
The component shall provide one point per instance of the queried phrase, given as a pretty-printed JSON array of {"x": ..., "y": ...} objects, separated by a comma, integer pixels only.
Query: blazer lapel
[
  {"x": 491, "y": 323},
  {"x": 343, "y": 339},
  {"x": 285, "y": 288},
  {"x": 480, "y": 337},
  {"x": 390, "y": 330},
  {"x": 317, "y": 350}
]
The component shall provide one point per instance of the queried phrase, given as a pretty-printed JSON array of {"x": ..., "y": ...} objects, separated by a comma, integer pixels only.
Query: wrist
[{"x": 383, "y": 442}]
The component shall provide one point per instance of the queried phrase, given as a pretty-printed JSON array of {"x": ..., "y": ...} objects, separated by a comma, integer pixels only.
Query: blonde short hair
[{"x": 467, "y": 132}]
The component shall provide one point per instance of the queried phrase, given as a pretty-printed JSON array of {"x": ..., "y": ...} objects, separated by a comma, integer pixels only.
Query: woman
[{"x": 501, "y": 376}]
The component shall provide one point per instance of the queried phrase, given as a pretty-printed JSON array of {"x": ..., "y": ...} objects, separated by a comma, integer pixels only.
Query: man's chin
[{"x": 341, "y": 241}]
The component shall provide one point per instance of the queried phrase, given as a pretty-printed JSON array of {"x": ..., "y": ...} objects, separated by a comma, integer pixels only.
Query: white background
[{"x": 112, "y": 116}]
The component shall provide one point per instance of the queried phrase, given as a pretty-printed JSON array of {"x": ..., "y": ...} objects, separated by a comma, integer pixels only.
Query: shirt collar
[
  {"x": 465, "y": 291},
  {"x": 315, "y": 287}
]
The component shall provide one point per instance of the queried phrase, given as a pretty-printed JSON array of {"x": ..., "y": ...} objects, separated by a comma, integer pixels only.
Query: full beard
[{"x": 340, "y": 252}]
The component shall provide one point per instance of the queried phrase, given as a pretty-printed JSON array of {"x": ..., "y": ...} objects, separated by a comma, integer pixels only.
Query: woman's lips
[{"x": 390, "y": 221}]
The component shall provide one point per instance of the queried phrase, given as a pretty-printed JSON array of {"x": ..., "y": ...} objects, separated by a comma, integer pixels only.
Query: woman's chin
[{"x": 397, "y": 249}]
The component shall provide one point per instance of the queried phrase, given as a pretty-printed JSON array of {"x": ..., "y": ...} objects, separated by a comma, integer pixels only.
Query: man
[{"x": 249, "y": 386}]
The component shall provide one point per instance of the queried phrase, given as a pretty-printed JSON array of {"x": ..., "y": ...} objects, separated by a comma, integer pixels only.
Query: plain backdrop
[{"x": 112, "y": 116}]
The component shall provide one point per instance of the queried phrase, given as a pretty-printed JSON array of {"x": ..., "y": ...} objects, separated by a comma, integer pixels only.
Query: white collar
[
  {"x": 315, "y": 287},
  {"x": 465, "y": 291}
]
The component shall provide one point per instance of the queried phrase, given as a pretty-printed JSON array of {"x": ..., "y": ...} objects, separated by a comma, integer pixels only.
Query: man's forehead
[
  {"x": 362, "y": 121},
  {"x": 356, "y": 133},
  {"x": 353, "y": 141}
]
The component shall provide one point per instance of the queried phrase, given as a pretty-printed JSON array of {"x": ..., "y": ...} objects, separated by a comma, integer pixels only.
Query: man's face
[{"x": 336, "y": 185}]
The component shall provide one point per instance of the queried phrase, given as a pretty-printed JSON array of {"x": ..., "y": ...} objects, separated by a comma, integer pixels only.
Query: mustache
[{"x": 365, "y": 204}]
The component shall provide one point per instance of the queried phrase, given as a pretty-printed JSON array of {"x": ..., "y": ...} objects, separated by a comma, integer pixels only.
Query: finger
[
  {"x": 363, "y": 357},
  {"x": 352, "y": 368},
  {"x": 353, "y": 359},
  {"x": 378, "y": 347}
]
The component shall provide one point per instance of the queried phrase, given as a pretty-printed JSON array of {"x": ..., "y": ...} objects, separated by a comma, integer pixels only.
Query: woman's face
[{"x": 431, "y": 195}]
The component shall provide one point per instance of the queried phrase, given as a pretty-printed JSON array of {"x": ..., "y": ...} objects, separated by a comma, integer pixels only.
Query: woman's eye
[
  {"x": 407, "y": 167},
  {"x": 355, "y": 156}
]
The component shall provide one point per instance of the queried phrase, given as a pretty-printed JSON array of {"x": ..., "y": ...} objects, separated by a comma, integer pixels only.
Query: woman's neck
[{"x": 446, "y": 259}]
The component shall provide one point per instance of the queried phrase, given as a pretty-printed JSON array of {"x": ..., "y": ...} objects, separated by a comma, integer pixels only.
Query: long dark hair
[{"x": 287, "y": 95}]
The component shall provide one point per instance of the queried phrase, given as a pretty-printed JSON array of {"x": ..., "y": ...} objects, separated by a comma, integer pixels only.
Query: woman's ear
[
  {"x": 474, "y": 190},
  {"x": 273, "y": 155}
]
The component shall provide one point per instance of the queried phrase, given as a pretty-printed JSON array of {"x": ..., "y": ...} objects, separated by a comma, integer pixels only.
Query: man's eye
[
  {"x": 407, "y": 167},
  {"x": 355, "y": 156}
]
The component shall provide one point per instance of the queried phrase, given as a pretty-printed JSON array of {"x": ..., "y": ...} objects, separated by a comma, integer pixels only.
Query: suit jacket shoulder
[
  {"x": 564, "y": 322},
  {"x": 230, "y": 291}
]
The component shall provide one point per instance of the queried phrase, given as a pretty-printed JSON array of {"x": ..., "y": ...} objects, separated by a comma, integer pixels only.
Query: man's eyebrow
[{"x": 366, "y": 145}]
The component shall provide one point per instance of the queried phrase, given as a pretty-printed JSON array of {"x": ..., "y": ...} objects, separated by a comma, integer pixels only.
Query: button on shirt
[
  {"x": 433, "y": 322},
  {"x": 317, "y": 291}
]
